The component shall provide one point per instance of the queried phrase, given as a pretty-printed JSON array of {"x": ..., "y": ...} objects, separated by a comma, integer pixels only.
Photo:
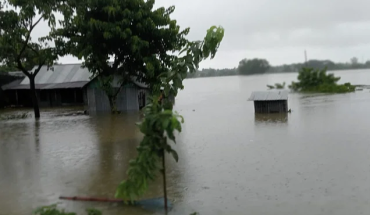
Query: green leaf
[
  {"x": 93, "y": 212},
  {"x": 175, "y": 155}
]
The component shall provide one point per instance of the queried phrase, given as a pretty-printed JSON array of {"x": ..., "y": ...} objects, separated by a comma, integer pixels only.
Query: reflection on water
[
  {"x": 271, "y": 118},
  {"x": 314, "y": 160}
]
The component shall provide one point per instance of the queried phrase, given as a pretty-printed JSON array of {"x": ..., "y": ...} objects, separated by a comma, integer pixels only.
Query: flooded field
[{"x": 315, "y": 160}]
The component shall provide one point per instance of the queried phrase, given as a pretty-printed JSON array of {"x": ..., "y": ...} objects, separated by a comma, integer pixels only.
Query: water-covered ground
[{"x": 314, "y": 160}]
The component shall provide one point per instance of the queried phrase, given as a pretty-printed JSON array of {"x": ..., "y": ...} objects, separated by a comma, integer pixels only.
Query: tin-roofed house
[
  {"x": 274, "y": 101},
  {"x": 59, "y": 86},
  {"x": 70, "y": 84}
]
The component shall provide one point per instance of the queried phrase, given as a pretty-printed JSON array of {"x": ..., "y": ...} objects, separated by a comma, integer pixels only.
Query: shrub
[{"x": 316, "y": 80}]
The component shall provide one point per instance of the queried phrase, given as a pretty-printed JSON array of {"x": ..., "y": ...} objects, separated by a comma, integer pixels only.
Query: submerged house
[
  {"x": 274, "y": 101},
  {"x": 70, "y": 84}
]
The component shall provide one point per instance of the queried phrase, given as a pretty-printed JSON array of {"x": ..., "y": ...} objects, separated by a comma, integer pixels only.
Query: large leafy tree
[
  {"x": 18, "y": 20},
  {"x": 145, "y": 43},
  {"x": 253, "y": 66},
  {"x": 118, "y": 40}
]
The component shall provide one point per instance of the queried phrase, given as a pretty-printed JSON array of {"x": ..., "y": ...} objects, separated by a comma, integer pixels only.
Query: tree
[
  {"x": 316, "y": 80},
  {"x": 253, "y": 66},
  {"x": 160, "y": 121},
  {"x": 17, "y": 49},
  {"x": 144, "y": 43},
  {"x": 119, "y": 40}
]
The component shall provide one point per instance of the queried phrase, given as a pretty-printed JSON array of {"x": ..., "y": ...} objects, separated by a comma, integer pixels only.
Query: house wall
[
  {"x": 127, "y": 100},
  {"x": 60, "y": 97},
  {"x": 280, "y": 106},
  {"x": 132, "y": 100},
  {"x": 5, "y": 78}
]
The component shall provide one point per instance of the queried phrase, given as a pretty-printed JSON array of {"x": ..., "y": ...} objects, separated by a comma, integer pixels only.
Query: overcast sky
[{"x": 277, "y": 30}]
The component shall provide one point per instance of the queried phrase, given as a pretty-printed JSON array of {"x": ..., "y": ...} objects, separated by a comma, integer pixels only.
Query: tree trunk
[
  {"x": 164, "y": 181},
  {"x": 35, "y": 101},
  {"x": 113, "y": 103}
]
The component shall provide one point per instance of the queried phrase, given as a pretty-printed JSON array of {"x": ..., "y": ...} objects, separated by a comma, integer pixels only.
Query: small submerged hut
[{"x": 274, "y": 101}]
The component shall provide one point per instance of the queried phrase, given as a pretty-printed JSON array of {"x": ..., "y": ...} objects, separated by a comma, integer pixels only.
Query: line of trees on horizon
[{"x": 262, "y": 66}]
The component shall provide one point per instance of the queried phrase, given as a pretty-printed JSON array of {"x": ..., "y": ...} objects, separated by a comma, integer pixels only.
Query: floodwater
[{"x": 315, "y": 160}]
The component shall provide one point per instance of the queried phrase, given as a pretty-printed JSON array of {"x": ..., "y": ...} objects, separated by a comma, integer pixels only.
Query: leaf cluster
[
  {"x": 18, "y": 20},
  {"x": 317, "y": 80},
  {"x": 53, "y": 210}
]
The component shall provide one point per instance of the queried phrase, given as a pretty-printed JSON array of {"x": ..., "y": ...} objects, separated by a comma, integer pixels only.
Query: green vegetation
[
  {"x": 134, "y": 35},
  {"x": 53, "y": 210},
  {"x": 6, "y": 68},
  {"x": 316, "y": 80},
  {"x": 295, "y": 67},
  {"x": 277, "y": 86},
  {"x": 254, "y": 66},
  {"x": 14, "y": 116},
  {"x": 17, "y": 48}
]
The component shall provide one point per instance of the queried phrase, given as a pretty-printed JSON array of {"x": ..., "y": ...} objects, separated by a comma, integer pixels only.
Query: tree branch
[
  {"x": 32, "y": 26},
  {"x": 39, "y": 68},
  {"x": 21, "y": 67},
  {"x": 34, "y": 50}
]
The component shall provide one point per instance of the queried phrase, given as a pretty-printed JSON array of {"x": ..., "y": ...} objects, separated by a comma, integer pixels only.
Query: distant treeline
[{"x": 262, "y": 66}]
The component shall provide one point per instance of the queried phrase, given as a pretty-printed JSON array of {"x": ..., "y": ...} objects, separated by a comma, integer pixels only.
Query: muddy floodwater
[{"x": 315, "y": 160}]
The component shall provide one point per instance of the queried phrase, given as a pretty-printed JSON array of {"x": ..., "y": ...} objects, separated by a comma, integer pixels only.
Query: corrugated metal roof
[
  {"x": 17, "y": 86},
  {"x": 60, "y": 74},
  {"x": 12, "y": 84},
  {"x": 17, "y": 74},
  {"x": 60, "y": 77},
  {"x": 272, "y": 95}
]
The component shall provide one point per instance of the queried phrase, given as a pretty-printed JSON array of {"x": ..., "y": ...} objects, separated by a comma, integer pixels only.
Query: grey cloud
[{"x": 278, "y": 30}]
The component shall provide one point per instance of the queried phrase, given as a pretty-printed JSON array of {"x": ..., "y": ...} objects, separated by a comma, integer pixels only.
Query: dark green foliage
[
  {"x": 253, "y": 66},
  {"x": 17, "y": 49},
  {"x": 6, "y": 68},
  {"x": 295, "y": 67},
  {"x": 51, "y": 210},
  {"x": 316, "y": 80},
  {"x": 92, "y": 211},
  {"x": 120, "y": 38}
]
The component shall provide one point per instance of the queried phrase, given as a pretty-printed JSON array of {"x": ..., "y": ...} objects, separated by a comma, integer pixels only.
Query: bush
[
  {"x": 14, "y": 116},
  {"x": 52, "y": 210},
  {"x": 277, "y": 86},
  {"x": 316, "y": 80}
]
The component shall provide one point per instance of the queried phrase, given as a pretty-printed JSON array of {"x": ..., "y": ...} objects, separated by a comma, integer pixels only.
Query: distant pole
[{"x": 305, "y": 56}]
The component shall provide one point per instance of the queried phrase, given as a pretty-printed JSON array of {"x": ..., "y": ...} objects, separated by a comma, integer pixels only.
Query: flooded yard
[{"x": 315, "y": 160}]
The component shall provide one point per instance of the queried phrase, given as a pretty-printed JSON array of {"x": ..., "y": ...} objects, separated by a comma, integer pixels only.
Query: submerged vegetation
[
  {"x": 318, "y": 81},
  {"x": 277, "y": 86},
  {"x": 14, "y": 116},
  {"x": 53, "y": 210}
]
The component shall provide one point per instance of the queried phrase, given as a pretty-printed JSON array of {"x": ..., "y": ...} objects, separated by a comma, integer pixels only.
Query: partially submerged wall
[{"x": 6, "y": 78}]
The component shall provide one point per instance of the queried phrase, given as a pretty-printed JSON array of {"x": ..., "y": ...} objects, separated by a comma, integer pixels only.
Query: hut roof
[
  {"x": 273, "y": 95},
  {"x": 59, "y": 77}
]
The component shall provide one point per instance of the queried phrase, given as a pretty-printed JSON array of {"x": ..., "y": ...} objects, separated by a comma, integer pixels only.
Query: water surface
[{"x": 312, "y": 161}]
